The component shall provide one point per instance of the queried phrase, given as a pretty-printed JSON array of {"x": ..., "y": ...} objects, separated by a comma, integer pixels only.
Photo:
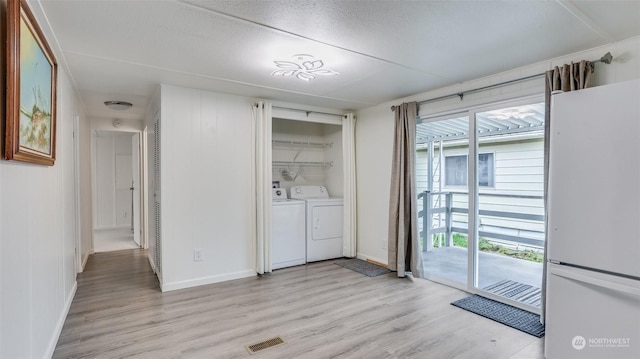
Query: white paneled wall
[
  {"x": 85, "y": 190},
  {"x": 206, "y": 175},
  {"x": 37, "y": 243},
  {"x": 374, "y": 130}
]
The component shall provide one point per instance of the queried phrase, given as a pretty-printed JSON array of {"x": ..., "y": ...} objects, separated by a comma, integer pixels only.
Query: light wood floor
[
  {"x": 113, "y": 239},
  {"x": 321, "y": 310}
]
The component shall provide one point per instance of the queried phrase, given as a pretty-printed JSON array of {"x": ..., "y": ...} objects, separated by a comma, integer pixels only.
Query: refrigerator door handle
[{"x": 595, "y": 281}]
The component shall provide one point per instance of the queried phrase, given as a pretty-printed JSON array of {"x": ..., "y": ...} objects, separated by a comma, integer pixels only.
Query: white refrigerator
[{"x": 593, "y": 277}]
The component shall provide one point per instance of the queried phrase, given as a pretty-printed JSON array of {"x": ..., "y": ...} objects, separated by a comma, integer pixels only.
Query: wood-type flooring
[{"x": 321, "y": 310}]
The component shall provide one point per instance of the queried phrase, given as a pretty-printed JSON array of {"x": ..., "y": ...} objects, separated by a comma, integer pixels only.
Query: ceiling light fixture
[
  {"x": 304, "y": 67},
  {"x": 118, "y": 105}
]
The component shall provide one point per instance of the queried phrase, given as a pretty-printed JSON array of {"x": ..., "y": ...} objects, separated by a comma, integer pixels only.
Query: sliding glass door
[
  {"x": 442, "y": 158},
  {"x": 510, "y": 207},
  {"x": 480, "y": 178}
]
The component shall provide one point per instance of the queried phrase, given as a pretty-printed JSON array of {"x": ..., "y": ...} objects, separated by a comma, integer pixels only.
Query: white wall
[
  {"x": 374, "y": 131},
  {"x": 37, "y": 242},
  {"x": 206, "y": 181},
  {"x": 85, "y": 190}
]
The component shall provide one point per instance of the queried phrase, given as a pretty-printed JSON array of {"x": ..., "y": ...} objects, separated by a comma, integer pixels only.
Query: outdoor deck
[{"x": 450, "y": 263}]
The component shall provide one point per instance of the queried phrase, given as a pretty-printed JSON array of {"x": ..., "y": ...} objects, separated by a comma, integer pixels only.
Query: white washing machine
[
  {"x": 288, "y": 234},
  {"x": 324, "y": 222}
]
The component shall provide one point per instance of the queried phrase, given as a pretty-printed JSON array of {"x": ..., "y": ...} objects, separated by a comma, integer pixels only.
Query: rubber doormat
[
  {"x": 366, "y": 268},
  {"x": 503, "y": 313}
]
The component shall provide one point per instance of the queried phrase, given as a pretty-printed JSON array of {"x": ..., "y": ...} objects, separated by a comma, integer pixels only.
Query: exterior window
[
  {"x": 456, "y": 170},
  {"x": 485, "y": 170}
]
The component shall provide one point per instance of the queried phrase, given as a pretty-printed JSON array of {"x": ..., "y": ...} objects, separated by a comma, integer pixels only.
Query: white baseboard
[
  {"x": 365, "y": 257},
  {"x": 166, "y": 287},
  {"x": 85, "y": 259},
  {"x": 63, "y": 316},
  {"x": 152, "y": 263}
]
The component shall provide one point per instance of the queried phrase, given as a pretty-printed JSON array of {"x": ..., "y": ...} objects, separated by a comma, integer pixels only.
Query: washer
[
  {"x": 287, "y": 230},
  {"x": 324, "y": 222}
]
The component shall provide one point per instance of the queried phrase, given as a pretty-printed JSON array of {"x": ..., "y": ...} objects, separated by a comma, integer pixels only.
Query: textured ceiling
[{"x": 382, "y": 50}]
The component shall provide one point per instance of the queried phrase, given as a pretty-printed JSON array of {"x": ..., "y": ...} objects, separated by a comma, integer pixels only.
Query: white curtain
[
  {"x": 349, "y": 174},
  {"x": 261, "y": 128}
]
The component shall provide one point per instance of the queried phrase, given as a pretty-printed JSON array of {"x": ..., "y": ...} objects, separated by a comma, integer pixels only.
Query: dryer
[
  {"x": 324, "y": 222},
  {"x": 287, "y": 230}
]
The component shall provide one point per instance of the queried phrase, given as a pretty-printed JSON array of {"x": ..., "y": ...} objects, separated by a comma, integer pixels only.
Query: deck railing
[{"x": 448, "y": 227}]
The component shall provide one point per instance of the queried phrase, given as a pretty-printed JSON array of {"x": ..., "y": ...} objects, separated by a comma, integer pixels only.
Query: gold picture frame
[{"x": 30, "y": 126}]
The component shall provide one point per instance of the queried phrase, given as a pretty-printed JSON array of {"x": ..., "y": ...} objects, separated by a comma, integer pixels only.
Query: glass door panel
[
  {"x": 442, "y": 154},
  {"x": 510, "y": 210}
]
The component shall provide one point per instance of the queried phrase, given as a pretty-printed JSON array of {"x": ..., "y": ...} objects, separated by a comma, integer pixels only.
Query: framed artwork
[{"x": 30, "y": 127}]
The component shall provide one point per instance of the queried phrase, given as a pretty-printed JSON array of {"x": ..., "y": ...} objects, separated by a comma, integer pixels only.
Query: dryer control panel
[{"x": 302, "y": 192}]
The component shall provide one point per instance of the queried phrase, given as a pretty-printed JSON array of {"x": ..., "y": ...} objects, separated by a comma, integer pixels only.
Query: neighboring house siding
[{"x": 518, "y": 170}]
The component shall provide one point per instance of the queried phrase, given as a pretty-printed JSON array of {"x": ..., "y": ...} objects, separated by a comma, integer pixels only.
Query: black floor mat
[
  {"x": 503, "y": 313},
  {"x": 366, "y": 268}
]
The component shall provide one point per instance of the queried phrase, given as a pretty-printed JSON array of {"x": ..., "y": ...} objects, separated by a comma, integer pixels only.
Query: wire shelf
[
  {"x": 302, "y": 164},
  {"x": 300, "y": 144}
]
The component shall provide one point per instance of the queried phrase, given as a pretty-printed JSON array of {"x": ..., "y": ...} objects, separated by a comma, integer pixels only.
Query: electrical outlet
[
  {"x": 124, "y": 214},
  {"x": 384, "y": 244},
  {"x": 197, "y": 254}
]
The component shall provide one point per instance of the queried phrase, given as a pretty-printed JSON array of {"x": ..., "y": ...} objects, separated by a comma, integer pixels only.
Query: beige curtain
[
  {"x": 404, "y": 247},
  {"x": 575, "y": 76}
]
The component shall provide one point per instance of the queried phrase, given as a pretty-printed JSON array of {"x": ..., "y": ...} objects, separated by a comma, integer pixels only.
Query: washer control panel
[{"x": 278, "y": 193}]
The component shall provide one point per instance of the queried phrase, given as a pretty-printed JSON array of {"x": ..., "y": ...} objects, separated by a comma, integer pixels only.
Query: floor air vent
[{"x": 269, "y": 343}]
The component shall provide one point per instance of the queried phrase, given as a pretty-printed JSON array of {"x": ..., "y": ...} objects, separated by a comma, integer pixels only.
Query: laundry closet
[
  {"x": 307, "y": 153},
  {"x": 307, "y": 176}
]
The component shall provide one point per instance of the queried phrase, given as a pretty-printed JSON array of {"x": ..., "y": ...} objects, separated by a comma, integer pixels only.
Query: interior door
[
  {"x": 123, "y": 190},
  {"x": 135, "y": 167}
]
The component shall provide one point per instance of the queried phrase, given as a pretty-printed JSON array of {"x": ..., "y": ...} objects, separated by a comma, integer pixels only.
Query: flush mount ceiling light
[
  {"x": 302, "y": 66},
  {"x": 118, "y": 105}
]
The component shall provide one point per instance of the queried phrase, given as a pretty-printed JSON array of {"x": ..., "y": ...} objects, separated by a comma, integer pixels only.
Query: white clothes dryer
[
  {"x": 324, "y": 222},
  {"x": 288, "y": 234}
]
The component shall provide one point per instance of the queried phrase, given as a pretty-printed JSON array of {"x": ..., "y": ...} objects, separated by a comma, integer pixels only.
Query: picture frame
[{"x": 32, "y": 70}]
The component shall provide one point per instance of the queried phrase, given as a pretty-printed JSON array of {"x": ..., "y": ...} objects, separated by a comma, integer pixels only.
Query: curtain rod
[
  {"x": 307, "y": 111},
  {"x": 606, "y": 59}
]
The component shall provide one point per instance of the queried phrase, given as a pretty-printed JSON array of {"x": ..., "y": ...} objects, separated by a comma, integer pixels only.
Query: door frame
[{"x": 142, "y": 158}]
